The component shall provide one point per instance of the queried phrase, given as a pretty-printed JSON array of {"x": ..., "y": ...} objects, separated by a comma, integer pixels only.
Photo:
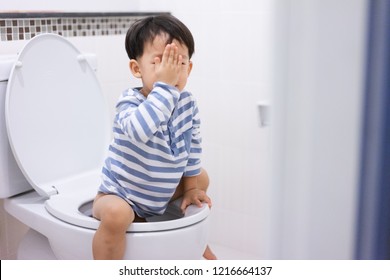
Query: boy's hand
[
  {"x": 194, "y": 196},
  {"x": 169, "y": 66}
]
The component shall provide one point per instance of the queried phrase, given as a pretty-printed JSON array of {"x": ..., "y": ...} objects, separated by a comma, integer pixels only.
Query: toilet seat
[
  {"x": 66, "y": 207},
  {"x": 64, "y": 166},
  {"x": 56, "y": 114}
]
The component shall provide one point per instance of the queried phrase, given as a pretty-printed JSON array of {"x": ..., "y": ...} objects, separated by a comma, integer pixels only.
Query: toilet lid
[{"x": 56, "y": 114}]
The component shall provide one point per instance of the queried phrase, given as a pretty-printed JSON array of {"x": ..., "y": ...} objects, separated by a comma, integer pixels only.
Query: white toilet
[{"x": 54, "y": 136}]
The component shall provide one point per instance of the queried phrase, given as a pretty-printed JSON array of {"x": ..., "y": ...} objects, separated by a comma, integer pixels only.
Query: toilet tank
[{"x": 12, "y": 181}]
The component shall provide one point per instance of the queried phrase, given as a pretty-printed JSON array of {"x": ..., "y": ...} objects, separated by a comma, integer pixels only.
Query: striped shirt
[{"x": 156, "y": 141}]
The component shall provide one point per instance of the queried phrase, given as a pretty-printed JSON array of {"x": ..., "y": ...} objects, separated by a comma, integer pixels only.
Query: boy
[{"x": 155, "y": 154}]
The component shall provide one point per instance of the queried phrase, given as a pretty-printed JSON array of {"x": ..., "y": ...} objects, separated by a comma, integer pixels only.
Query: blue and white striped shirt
[{"x": 156, "y": 141}]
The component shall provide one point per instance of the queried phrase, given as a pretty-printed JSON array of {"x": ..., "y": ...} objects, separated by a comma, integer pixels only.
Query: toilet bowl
[{"x": 56, "y": 125}]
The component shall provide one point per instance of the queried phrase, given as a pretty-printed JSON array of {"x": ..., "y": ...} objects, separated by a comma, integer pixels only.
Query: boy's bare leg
[
  {"x": 115, "y": 217},
  {"x": 203, "y": 184}
]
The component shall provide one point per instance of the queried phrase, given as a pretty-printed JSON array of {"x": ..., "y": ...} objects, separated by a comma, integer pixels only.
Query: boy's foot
[{"x": 208, "y": 254}]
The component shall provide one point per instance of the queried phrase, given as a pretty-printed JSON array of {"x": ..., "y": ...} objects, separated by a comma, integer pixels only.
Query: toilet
[{"x": 55, "y": 130}]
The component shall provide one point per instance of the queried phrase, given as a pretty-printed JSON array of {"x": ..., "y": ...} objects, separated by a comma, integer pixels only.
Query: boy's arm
[
  {"x": 141, "y": 121},
  {"x": 190, "y": 183},
  {"x": 193, "y": 194},
  {"x": 194, "y": 159}
]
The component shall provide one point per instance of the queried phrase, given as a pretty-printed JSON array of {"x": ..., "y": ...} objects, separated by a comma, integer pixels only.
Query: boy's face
[{"x": 144, "y": 67}]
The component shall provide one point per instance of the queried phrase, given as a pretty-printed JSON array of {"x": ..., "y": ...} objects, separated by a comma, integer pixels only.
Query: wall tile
[{"x": 19, "y": 26}]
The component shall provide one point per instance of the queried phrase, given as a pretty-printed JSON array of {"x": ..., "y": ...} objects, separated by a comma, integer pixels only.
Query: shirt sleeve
[
  {"x": 140, "y": 120},
  {"x": 193, "y": 167}
]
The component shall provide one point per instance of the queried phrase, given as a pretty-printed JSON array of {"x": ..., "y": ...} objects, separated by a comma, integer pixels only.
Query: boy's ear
[
  {"x": 189, "y": 68},
  {"x": 134, "y": 68}
]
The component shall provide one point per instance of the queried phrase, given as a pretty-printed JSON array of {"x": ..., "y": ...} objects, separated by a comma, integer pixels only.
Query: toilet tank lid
[{"x": 56, "y": 114}]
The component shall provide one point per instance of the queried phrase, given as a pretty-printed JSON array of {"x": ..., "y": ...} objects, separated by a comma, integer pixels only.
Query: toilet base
[
  {"x": 188, "y": 242},
  {"x": 35, "y": 246}
]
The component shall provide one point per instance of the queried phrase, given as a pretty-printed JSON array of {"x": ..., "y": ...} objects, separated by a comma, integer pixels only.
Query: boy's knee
[{"x": 117, "y": 217}]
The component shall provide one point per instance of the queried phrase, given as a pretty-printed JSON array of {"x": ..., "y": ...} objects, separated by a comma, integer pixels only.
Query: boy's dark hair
[{"x": 146, "y": 29}]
